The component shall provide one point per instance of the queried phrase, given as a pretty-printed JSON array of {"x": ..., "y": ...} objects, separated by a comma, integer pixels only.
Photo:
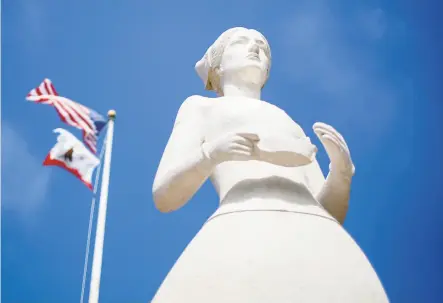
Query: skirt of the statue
[{"x": 271, "y": 257}]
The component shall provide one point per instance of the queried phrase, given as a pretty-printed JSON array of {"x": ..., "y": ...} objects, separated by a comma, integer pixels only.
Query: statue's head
[{"x": 240, "y": 54}]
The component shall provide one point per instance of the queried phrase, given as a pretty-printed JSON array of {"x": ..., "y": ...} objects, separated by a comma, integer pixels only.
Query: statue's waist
[{"x": 272, "y": 194}]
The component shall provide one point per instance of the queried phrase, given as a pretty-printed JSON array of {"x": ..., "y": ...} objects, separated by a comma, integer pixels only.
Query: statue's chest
[{"x": 248, "y": 116}]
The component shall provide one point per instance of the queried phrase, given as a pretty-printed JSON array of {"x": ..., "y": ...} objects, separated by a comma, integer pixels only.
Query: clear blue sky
[{"x": 370, "y": 69}]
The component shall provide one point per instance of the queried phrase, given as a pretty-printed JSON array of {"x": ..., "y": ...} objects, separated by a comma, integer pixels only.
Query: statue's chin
[
  {"x": 249, "y": 73},
  {"x": 252, "y": 75}
]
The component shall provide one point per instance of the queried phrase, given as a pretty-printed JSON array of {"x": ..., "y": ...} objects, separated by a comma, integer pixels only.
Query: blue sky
[{"x": 370, "y": 69}]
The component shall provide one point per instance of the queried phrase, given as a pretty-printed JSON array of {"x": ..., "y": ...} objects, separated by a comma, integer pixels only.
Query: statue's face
[{"x": 246, "y": 57}]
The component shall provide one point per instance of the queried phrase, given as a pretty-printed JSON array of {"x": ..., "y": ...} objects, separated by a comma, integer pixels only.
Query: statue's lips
[
  {"x": 284, "y": 151},
  {"x": 253, "y": 56}
]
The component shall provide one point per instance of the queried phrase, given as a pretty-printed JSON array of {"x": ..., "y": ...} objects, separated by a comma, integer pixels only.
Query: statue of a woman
[{"x": 277, "y": 235}]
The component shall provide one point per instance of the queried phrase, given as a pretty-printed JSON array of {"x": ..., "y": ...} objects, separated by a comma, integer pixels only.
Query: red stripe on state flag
[{"x": 53, "y": 162}]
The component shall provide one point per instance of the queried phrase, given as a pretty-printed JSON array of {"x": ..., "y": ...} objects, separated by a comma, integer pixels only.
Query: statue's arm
[
  {"x": 332, "y": 192},
  {"x": 334, "y": 195},
  {"x": 183, "y": 167}
]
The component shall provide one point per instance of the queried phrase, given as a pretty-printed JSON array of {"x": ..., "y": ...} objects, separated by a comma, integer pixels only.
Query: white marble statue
[{"x": 277, "y": 236}]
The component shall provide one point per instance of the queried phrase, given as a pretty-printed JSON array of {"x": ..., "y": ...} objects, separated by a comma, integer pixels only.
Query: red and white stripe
[
  {"x": 90, "y": 140},
  {"x": 70, "y": 112}
]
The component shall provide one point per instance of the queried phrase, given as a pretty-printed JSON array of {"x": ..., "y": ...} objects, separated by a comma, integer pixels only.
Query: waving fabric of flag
[
  {"x": 69, "y": 153},
  {"x": 70, "y": 112}
]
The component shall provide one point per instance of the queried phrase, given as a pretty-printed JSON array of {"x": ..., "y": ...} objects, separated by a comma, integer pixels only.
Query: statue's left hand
[{"x": 336, "y": 148}]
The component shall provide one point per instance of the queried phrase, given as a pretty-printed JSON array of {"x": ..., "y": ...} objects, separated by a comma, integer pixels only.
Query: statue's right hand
[{"x": 231, "y": 147}]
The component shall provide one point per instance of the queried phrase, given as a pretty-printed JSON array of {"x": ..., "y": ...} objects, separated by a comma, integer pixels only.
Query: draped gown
[{"x": 269, "y": 240}]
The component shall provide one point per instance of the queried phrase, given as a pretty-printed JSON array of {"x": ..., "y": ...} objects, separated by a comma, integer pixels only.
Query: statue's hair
[{"x": 208, "y": 66}]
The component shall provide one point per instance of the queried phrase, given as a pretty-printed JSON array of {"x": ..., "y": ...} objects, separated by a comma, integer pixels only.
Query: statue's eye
[{"x": 237, "y": 41}]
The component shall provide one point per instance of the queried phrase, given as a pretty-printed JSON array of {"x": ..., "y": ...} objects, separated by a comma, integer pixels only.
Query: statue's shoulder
[
  {"x": 193, "y": 108},
  {"x": 196, "y": 104}
]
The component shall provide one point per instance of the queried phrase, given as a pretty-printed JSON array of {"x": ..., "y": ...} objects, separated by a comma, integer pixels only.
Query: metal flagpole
[{"x": 101, "y": 220}]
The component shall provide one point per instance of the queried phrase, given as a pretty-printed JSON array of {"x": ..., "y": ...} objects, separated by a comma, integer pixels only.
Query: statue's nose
[{"x": 253, "y": 48}]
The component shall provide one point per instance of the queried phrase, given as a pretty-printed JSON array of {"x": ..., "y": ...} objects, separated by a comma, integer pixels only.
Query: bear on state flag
[{"x": 71, "y": 154}]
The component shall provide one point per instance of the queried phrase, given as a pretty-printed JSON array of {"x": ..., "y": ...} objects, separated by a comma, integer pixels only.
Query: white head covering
[{"x": 207, "y": 66}]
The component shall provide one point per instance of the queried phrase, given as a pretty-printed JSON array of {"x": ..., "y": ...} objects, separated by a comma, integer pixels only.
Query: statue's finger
[
  {"x": 329, "y": 130},
  {"x": 332, "y": 139},
  {"x": 341, "y": 156},
  {"x": 333, "y": 148},
  {"x": 324, "y": 126}
]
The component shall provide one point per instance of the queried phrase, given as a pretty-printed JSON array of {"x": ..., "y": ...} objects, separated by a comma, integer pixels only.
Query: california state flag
[{"x": 71, "y": 154}]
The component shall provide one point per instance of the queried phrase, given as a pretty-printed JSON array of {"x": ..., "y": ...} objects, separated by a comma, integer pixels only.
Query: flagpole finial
[{"x": 112, "y": 114}]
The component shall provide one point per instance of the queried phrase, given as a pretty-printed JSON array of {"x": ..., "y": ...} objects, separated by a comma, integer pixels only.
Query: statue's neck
[{"x": 248, "y": 91}]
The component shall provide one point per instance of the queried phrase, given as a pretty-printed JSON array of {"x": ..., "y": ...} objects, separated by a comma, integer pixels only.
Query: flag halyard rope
[{"x": 91, "y": 217}]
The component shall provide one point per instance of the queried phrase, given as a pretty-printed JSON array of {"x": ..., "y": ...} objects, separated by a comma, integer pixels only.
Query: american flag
[{"x": 70, "y": 112}]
